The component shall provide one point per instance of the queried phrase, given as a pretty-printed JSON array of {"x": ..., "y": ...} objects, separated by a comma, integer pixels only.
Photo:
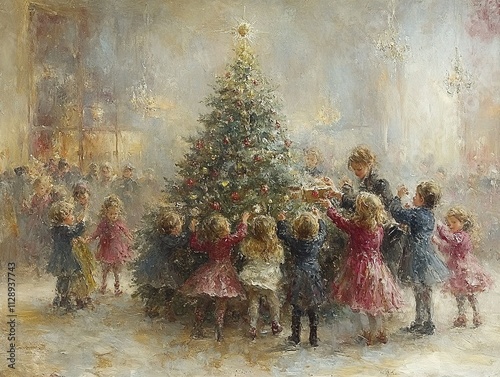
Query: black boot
[
  {"x": 313, "y": 329},
  {"x": 218, "y": 333},
  {"x": 296, "y": 327}
]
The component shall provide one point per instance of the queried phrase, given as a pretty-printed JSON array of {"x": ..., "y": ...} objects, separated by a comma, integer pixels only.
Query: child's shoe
[
  {"x": 218, "y": 333},
  {"x": 415, "y": 327},
  {"x": 252, "y": 333},
  {"x": 276, "y": 328},
  {"x": 313, "y": 336},
  {"x": 460, "y": 321},
  {"x": 427, "y": 328},
  {"x": 368, "y": 338},
  {"x": 476, "y": 320},
  {"x": 382, "y": 337},
  {"x": 118, "y": 291}
]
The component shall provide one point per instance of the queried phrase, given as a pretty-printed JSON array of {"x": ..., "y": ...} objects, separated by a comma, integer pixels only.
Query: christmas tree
[{"x": 242, "y": 159}]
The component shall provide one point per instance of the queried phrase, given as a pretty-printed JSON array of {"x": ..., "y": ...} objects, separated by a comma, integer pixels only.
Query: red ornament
[
  {"x": 226, "y": 140},
  {"x": 199, "y": 144},
  {"x": 235, "y": 196},
  {"x": 264, "y": 189},
  {"x": 257, "y": 158},
  {"x": 190, "y": 182},
  {"x": 215, "y": 206},
  {"x": 315, "y": 194},
  {"x": 247, "y": 142}
]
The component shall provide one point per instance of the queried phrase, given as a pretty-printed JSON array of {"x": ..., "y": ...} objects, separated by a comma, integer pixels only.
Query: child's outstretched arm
[
  {"x": 400, "y": 214},
  {"x": 241, "y": 231}
]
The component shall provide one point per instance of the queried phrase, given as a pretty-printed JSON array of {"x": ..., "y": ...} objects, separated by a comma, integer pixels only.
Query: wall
[{"x": 339, "y": 87}]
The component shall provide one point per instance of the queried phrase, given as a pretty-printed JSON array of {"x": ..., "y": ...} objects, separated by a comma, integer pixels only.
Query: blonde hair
[
  {"x": 306, "y": 226},
  {"x": 370, "y": 211},
  {"x": 468, "y": 221},
  {"x": 111, "y": 201},
  {"x": 430, "y": 192},
  {"x": 214, "y": 228},
  {"x": 59, "y": 211},
  {"x": 361, "y": 155},
  {"x": 167, "y": 221},
  {"x": 263, "y": 242},
  {"x": 42, "y": 181}
]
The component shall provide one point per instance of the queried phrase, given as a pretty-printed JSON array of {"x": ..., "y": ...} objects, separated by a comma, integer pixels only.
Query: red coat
[
  {"x": 113, "y": 243},
  {"x": 217, "y": 277},
  {"x": 364, "y": 283}
]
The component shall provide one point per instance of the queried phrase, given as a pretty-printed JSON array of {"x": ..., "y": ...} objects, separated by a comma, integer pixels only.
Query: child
[
  {"x": 38, "y": 241},
  {"x": 261, "y": 274},
  {"x": 467, "y": 277},
  {"x": 62, "y": 262},
  {"x": 307, "y": 291},
  {"x": 86, "y": 283},
  {"x": 420, "y": 267},
  {"x": 114, "y": 240},
  {"x": 365, "y": 283},
  {"x": 363, "y": 162},
  {"x": 217, "y": 278},
  {"x": 154, "y": 269}
]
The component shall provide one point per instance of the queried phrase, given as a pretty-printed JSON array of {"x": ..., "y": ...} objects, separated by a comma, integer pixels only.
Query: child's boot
[
  {"x": 276, "y": 328},
  {"x": 428, "y": 328},
  {"x": 296, "y": 327},
  {"x": 219, "y": 336},
  {"x": 476, "y": 320},
  {"x": 252, "y": 332},
  {"x": 118, "y": 291},
  {"x": 313, "y": 329},
  {"x": 460, "y": 321}
]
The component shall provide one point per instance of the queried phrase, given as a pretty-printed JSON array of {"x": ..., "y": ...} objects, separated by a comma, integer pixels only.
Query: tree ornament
[
  {"x": 235, "y": 196},
  {"x": 215, "y": 206},
  {"x": 190, "y": 182},
  {"x": 199, "y": 144},
  {"x": 264, "y": 189}
]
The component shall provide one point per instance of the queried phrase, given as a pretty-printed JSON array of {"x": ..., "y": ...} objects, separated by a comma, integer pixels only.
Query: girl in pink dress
[
  {"x": 365, "y": 283},
  {"x": 217, "y": 278},
  {"x": 467, "y": 276},
  {"x": 114, "y": 241}
]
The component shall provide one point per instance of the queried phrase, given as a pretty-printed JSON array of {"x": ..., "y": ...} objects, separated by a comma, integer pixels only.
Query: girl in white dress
[{"x": 261, "y": 274}]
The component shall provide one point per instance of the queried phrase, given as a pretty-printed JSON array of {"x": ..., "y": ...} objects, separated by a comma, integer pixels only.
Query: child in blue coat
[
  {"x": 307, "y": 292},
  {"x": 62, "y": 262},
  {"x": 420, "y": 267}
]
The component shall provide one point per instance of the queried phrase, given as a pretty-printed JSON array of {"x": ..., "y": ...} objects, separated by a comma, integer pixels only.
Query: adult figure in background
[{"x": 362, "y": 161}]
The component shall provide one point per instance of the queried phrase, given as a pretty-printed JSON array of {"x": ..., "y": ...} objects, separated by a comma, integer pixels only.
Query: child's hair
[
  {"x": 111, "y": 201},
  {"x": 214, "y": 228},
  {"x": 263, "y": 242},
  {"x": 60, "y": 211},
  {"x": 370, "y": 211},
  {"x": 306, "y": 226},
  {"x": 361, "y": 155},
  {"x": 430, "y": 192},
  {"x": 167, "y": 221},
  {"x": 468, "y": 220},
  {"x": 42, "y": 181},
  {"x": 80, "y": 188}
]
